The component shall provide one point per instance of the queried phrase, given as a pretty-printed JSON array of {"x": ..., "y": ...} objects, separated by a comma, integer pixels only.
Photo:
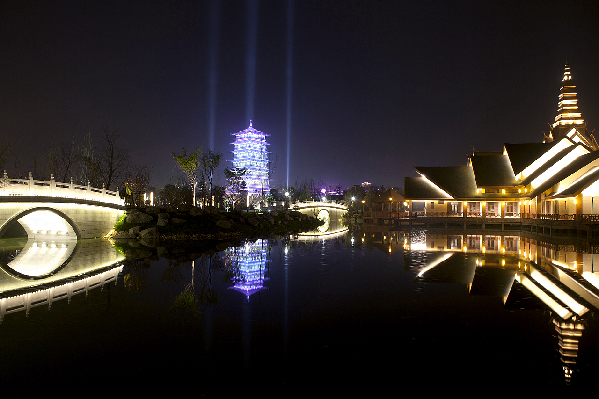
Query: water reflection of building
[
  {"x": 44, "y": 272},
  {"x": 251, "y": 261},
  {"x": 560, "y": 278},
  {"x": 383, "y": 238}
]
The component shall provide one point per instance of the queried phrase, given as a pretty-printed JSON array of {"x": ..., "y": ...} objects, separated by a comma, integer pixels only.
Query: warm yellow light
[
  {"x": 464, "y": 249},
  {"x": 390, "y": 199},
  {"x": 503, "y": 191}
]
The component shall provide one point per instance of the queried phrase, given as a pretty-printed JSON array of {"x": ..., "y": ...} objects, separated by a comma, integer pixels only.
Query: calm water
[{"x": 360, "y": 310}]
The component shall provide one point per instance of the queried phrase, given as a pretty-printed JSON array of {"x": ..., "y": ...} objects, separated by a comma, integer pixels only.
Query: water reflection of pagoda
[
  {"x": 525, "y": 272},
  {"x": 251, "y": 261}
]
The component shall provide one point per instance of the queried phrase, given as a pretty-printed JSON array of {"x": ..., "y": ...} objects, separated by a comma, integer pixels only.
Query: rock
[
  {"x": 120, "y": 235},
  {"x": 222, "y": 246},
  {"x": 136, "y": 253},
  {"x": 161, "y": 251},
  {"x": 149, "y": 237},
  {"x": 138, "y": 218},
  {"x": 195, "y": 211},
  {"x": 134, "y": 231},
  {"x": 212, "y": 210},
  {"x": 150, "y": 233},
  {"x": 254, "y": 222},
  {"x": 223, "y": 224},
  {"x": 162, "y": 222}
]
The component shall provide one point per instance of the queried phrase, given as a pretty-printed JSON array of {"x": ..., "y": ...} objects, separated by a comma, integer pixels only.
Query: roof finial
[{"x": 250, "y": 123}]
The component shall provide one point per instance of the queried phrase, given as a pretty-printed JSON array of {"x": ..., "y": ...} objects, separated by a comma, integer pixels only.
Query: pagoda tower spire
[{"x": 569, "y": 121}]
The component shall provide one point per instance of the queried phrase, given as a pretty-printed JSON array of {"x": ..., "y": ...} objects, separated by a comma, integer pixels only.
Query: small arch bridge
[
  {"x": 329, "y": 212},
  {"x": 53, "y": 210}
]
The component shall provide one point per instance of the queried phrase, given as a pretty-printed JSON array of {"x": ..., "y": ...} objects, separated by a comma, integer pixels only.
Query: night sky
[{"x": 377, "y": 87}]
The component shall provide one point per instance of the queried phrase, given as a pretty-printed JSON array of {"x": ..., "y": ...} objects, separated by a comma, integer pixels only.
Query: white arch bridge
[
  {"x": 329, "y": 212},
  {"x": 49, "y": 209}
]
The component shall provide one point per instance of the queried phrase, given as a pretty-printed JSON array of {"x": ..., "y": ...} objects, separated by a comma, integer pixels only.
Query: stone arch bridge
[{"x": 53, "y": 210}]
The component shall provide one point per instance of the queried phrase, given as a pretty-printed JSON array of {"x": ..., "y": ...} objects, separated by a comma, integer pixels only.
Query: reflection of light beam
[{"x": 435, "y": 264}]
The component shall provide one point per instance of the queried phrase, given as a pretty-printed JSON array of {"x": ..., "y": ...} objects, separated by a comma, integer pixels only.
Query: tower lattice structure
[{"x": 250, "y": 152}]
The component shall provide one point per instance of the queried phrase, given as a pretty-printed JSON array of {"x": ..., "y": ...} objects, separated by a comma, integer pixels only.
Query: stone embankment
[{"x": 154, "y": 227}]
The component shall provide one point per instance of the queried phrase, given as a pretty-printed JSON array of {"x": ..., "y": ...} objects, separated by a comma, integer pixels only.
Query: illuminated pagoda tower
[
  {"x": 250, "y": 152},
  {"x": 568, "y": 121}
]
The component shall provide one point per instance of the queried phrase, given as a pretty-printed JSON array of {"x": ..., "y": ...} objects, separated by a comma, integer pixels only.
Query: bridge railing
[
  {"x": 52, "y": 188},
  {"x": 318, "y": 204}
]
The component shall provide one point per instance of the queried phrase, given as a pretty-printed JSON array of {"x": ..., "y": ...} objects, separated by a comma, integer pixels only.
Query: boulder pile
[{"x": 153, "y": 225}]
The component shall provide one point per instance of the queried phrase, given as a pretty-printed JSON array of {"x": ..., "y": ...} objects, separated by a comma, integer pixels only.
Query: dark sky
[{"x": 377, "y": 86}]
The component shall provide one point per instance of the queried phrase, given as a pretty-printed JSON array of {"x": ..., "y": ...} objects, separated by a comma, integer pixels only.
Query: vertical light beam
[
  {"x": 289, "y": 78},
  {"x": 250, "y": 72},
  {"x": 213, "y": 69}
]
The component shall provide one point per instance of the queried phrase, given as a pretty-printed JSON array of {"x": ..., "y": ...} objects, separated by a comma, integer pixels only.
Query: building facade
[{"x": 557, "y": 178}]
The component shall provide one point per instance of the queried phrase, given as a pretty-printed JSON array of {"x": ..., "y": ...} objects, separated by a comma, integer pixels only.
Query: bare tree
[
  {"x": 4, "y": 153},
  {"x": 138, "y": 180},
  {"x": 113, "y": 161},
  {"x": 62, "y": 161}
]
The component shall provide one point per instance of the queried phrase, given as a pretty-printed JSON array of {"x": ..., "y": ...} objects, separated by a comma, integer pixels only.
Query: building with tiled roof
[{"x": 557, "y": 177}]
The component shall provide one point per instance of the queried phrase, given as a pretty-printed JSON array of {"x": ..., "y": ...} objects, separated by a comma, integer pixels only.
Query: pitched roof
[
  {"x": 416, "y": 188},
  {"x": 492, "y": 170},
  {"x": 457, "y": 181},
  {"x": 579, "y": 185},
  {"x": 577, "y": 164},
  {"x": 522, "y": 155},
  {"x": 389, "y": 193}
]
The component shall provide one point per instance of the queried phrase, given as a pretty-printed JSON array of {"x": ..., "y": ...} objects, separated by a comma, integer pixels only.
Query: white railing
[
  {"x": 52, "y": 188},
  {"x": 318, "y": 204}
]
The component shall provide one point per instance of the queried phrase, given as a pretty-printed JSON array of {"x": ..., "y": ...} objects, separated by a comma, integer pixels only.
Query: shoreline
[{"x": 146, "y": 233}]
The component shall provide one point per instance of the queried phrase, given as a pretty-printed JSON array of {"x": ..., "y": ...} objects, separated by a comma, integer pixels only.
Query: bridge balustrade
[{"x": 52, "y": 188}]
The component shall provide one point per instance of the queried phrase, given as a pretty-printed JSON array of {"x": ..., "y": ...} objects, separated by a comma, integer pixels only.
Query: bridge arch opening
[
  {"x": 44, "y": 223},
  {"x": 40, "y": 258}
]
